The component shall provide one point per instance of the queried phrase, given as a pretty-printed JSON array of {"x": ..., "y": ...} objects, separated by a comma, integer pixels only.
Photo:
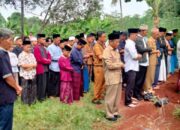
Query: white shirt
[
  {"x": 147, "y": 56},
  {"x": 130, "y": 53},
  {"x": 14, "y": 62},
  {"x": 178, "y": 53}
]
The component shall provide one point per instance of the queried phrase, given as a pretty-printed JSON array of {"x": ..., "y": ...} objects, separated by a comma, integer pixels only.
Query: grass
[
  {"x": 53, "y": 115},
  {"x": 176, "y": 112}
]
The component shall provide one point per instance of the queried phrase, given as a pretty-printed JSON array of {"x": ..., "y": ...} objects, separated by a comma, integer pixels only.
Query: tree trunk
[
  {"x": 22, "y": 18},
  {"x": 156, "y": 21}
]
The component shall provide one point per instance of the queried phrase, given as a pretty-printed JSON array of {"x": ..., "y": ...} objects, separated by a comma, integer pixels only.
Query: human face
[
  {"x": 145, "y": 32},
  {"x": 19, "y": 42},
  {"x": 102, "y": 38},
  {"x": 90, "y": 39},
  {"x": 34, "y": 43},
  {"x": 66, "y": 53},
  {"x": 123, "y": 37},
  {"x": 42, "y": 41},
  {"x": 61, "y": 45},
  {"x": 71, "y": 43},
  {"x": 133, "y": 36},
  {"x": 115, "y": 43},
  {"x": 57, "y": 41},
  {"x": 6, "y": 43},
  {"x": 27, "y": 48}
]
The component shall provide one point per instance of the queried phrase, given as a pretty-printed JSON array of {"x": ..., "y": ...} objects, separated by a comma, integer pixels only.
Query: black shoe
[
  {"x": 138, "y": 97},
  {"x": 117, "y": 116},
  {"x": 96, "y": 102},
  {"x": 112, "y": 119}
]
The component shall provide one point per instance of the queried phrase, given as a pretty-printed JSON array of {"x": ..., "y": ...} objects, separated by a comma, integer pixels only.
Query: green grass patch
[
  {"x": 54, "y": 115},
  {"x": 176, "y": 112}
]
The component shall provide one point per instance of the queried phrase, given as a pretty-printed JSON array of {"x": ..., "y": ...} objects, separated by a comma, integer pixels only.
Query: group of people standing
[{"x": 64, "y": 68}]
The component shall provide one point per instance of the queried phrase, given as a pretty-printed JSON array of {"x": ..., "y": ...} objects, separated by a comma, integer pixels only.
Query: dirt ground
[{"x": 146, "y": 116}]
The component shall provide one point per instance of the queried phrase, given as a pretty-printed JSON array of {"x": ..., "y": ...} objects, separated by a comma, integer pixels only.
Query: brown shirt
[
  {"x": 152, "y": 45},
  {"x": 88, "y": 48},
  {"x": 98, "y": 50},
  {"x": 112, "y": 66}
]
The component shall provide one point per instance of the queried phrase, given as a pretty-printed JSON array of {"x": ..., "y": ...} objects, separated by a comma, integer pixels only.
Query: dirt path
[{"x": 146, "y": 116}]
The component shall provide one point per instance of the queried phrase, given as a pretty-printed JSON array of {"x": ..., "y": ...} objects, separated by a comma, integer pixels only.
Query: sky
[{"x": 129, "y": 9}]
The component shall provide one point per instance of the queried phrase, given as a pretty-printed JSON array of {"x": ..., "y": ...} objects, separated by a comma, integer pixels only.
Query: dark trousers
[
  {"x": 6, "y": 116},
  {"x": 53, "y": 84},
  {"x": 156, "y": 77},
  {"x": 41, "y": 86},
  {"x": 140, "y": 78},
  {"x": 131, "y": 77}
]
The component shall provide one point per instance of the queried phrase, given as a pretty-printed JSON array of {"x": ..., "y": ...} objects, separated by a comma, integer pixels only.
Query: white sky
[{"x": 129, "y": 8}]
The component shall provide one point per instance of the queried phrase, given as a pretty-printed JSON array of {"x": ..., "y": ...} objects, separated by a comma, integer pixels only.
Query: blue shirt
[
  {"x": 7, "y": 93},
  {"x": 55, "y": 52},
  {"x": 76, "y": 58}
]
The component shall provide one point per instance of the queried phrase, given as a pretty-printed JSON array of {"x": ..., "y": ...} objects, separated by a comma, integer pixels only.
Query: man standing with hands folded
[
  {"x": 9, "y": 89},
  {"x": 113, "y": 77},
  {"x": 131, "y": 58}
]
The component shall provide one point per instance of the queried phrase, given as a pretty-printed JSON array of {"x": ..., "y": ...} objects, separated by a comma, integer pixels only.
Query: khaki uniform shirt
[
  {"x": 98, "y": 50},
  {"x": 88, "y": 49},
  {"x": 152, "y": 45},
  {"x": 112, "y": 66}
]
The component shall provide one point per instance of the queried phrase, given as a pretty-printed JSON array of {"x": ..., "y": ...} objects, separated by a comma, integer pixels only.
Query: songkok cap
[
  {"x": 133, "y": 30},
  {"x": 55, "y": 36},
  {"x": 175, "y": 30},
  {"x": 161, "y": 29},
  {"x": 113, "y": 36},
  {"x": 41, "y": 35},
  {"x": 67, "y": 48}
]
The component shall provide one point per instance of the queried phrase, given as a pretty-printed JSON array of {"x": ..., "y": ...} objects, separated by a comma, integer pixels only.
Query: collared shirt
[
  {"x": 98, "y": 50},
  {"x": 112, "y": 66},
  {"x": 130, "y": 53},
  {"x": 153, "y": 57},
  {"x": 25, "y": 59},
  {"x": 76, "y": 58},
  {"x": 147, "y": 56},
  {"x": 88, "y": 48},
  {"x": 17, "y": 50},
  {"x": 14, "y": 62},
  {"x": 55, "y": 52},
  {"x": 7, "y": 93}
]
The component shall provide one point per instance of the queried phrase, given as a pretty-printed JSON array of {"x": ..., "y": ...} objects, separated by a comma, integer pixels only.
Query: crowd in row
[{"x": 52, "y": 67}]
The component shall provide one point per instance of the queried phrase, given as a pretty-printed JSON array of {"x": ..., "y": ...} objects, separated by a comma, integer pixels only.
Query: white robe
[
  {"x": 162, "y": 72},
  {"x": 178, "y": 53}
]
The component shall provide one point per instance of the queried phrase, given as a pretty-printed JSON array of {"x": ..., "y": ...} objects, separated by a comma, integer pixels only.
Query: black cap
[
  {"x": 91, "y": 35},
  {"x": 41, "y": 35},
  {"x": 77, "y": 37},
  {"x": 81, "y": 35},
  {"x": 81, "y": 42},
  {"x": 175, "y": 30},
  {"x": 26, "y": 42},
  {"x": 161, "y": 29},
  {"x": 67, "y": 48},
  {"x": 133, "y": 30},
  {"x": 113, "y": 36},
  {"x": 55, "y": 36}
]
